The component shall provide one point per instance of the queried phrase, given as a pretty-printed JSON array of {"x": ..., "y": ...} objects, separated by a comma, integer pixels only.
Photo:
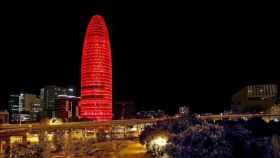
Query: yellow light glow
[
  {"x": 55, "y": 121},
  {"x": 132, "y": 129},
  {"x": 159, "y": 141},
  {"x": 32, "y": 138},
  {"x": 77, "y": 135},
  {"x": 50, "y": 137},
  {"x": 15, "y": 139},
  {"x": 91, "y": 135}
]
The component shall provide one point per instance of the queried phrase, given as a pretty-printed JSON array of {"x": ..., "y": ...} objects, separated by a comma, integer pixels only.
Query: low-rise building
[
  {"x": 255, "y": 98},
  {"x": 67, "y": 107},
  {"x": 24, "y": 106},
  {"x": 48, "y": 96},
  {"x": 4, "y": 117},
  {"x": 123, "y": 109}
]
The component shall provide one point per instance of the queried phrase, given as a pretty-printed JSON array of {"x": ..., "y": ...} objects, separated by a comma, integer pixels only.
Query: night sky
[{"x": 162, "y": 56}]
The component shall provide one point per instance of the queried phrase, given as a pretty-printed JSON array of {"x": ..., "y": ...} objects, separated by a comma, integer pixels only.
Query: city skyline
[
  {"x": 148, "y": 65},
  {"x": 129, "y": 79}
]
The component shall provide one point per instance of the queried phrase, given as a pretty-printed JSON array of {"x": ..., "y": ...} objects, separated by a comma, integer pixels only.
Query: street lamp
[
  {"x": 157, "y": 145},
  {"x": 159, "y": 141}
]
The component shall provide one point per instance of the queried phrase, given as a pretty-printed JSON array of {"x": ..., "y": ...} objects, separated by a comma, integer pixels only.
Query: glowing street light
[{"x": 159, "y": 141}]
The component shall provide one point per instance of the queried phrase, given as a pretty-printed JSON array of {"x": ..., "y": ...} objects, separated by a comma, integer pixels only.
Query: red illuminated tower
[{"x": 96, "y": 81}]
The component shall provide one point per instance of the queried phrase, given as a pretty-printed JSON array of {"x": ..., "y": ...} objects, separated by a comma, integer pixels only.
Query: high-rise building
[
  {"x": 15, "y": 106},
  {"x": 67, "y": 107},
  {"x": 36, "y": 105},
  {"x": 254, "y": 98},
  {"x": 36, "y": 109},
  {"x": 96, "y": 75},
  {"x": 48, "y": 96},
  {"x": 21, "y": 107},
  {"x": 29, "y": 100}
]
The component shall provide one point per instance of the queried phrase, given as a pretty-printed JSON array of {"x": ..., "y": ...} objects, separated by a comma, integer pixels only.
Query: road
[
  {"x": 234, "y": 116},
  {"x": 121, "y": 149},
  {"x": 134, "y": 150}
]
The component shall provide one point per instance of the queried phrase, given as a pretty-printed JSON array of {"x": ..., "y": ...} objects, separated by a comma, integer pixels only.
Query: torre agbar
[{"x": 96, "y": 80}]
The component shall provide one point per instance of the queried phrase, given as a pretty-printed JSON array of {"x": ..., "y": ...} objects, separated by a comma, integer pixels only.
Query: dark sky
[{"x": 163, "y": 55}]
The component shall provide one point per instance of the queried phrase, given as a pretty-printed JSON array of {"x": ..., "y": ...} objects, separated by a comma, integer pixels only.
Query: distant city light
[
  {"x": 133, "y": 129},
  {"x": 67, "y": 96},
  {"x": 160, "y": 141},
  {"x": 71, "y": 89},
  {"x": 50, "y": 137},
  {"x": 55, "y": 121},
  {"x": 32, "y": 138}
]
